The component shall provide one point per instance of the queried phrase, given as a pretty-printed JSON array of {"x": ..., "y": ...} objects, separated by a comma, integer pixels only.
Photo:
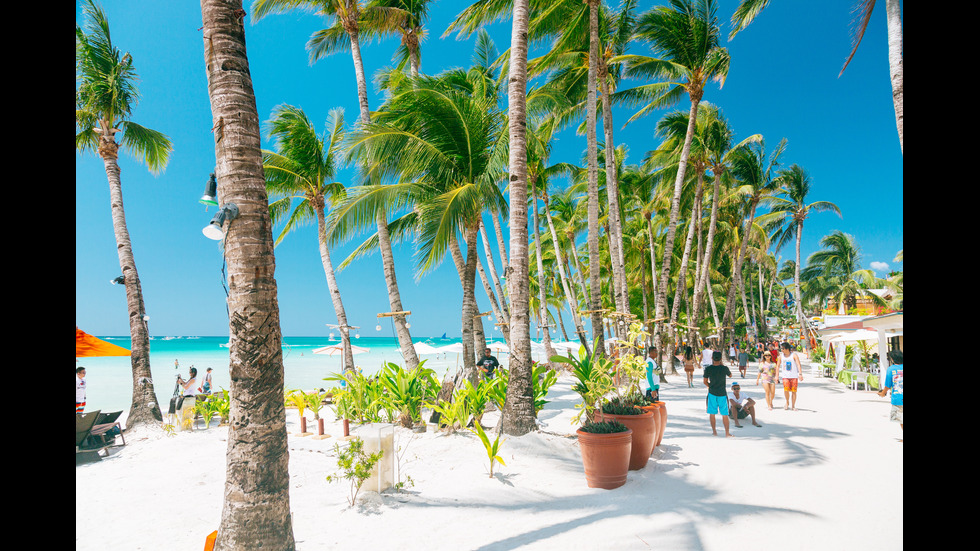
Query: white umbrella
[
  {"x": 425, "y": 348},
  {"x": 499, "y": 347},
  {"x": 457, "y": 348}
]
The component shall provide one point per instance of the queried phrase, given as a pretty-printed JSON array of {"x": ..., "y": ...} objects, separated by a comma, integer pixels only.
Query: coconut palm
[
  {"x": 256, "y": 505},
  {"x": 757, "y": 177},
  {"x": 834, "y": 272},
  {"x": 686, "y": 39},
  {"x": 352, "y": 20},
  {"x": 299, "y": 174},
  {"x": 104, "y": 100},
  {"x": 747, "y": 11},
  {"x": 410, "y": 26},
  {"x": 445, "y": 145},
  {"x": 787, "y": 212}
]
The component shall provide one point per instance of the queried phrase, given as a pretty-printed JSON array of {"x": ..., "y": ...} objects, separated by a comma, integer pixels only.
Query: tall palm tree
[
  {"x": 834, "y": 272},
  {"x": 256, "y": 506},
  {"x": 758, "y": 180},
  {"x": 299, "y": 173},
  {"x": 104, "y": 100},
  {"x": 410, "y": 27},
  {"x": 352, "y": 20},
  {"x": 686, "y": 38},
  {"x": 748, "y": 10},
  {"x": 787, "y": 212}
]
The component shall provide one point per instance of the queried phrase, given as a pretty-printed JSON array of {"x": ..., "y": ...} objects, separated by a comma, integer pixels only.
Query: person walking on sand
[
  {"x": 689, "y": 366},
  {"x": 79, "y": 390},
  {"x": 715, "y": 378},
  {"x": 894, "y": 382},
  {"x": 743, "y": 361},
  {"x": 767, "y": 373},
  {"x": 791, "y": 373},
  {"x": 741, "y": 406},
  {"x": 206, "y": 388}
]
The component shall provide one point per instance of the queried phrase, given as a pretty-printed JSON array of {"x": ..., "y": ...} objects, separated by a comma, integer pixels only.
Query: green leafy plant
[
  {"x": 542, "y": 379},
  {"x": 359, "y": 398},
  {"x": 405, "y": 391},
  {"x": 632, "y": 366},
  {"x": 605, "y": 427},
  {"x": 593, "y": 380},
  {"x": 453, "y": 415},
  {"x": 314, "y": 401},
  {"x": 355, "y": 466},
  {"x": 297, "y": 399},
  {"x": 492, "y": 448}
]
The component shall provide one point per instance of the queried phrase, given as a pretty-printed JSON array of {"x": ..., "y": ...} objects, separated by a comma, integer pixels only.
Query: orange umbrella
[{"x": 87, "y": 345}]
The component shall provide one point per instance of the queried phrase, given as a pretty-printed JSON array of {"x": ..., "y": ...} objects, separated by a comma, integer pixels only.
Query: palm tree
[
  {"x": 256, "y": 507},
  {"x": 787, "y": 212},
  {"x": 410, "y": 27},
  {"x": 104, "y": 100},
  {"x": 834, "y": 272},
  {"x": 686, "y": 38},
  {"x": 747, "y": 11},
  {"x": 758, "y": 179},
  {"x": 352, "y": 20},
  {"x": 300, "y": 170}
]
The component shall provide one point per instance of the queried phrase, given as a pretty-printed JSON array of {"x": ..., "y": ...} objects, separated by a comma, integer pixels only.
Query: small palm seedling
[{"x": 493, "y": 448}]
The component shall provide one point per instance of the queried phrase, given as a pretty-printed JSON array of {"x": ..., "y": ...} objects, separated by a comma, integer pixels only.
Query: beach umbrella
[
  {"x": 499, "y": 347},
  {"x": 425, "y": 348},
  {"x": 457, "y": 348},
  {"x": 335, "y": 349},
  {"x": 88, "y": 346}
]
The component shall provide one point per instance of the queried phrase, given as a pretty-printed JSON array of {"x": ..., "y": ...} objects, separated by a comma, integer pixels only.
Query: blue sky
[{"x": 783, "y": 83}]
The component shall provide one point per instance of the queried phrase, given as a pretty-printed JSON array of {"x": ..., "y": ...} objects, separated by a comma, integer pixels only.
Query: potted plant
[
  {"x": 642, "y": 423},
  {"x": 594, "y": 380},
  {"x": 605, "y": 453}
]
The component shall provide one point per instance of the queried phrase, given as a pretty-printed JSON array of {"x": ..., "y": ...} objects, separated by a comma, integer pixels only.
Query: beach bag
[{"x": 175, "y": 404}]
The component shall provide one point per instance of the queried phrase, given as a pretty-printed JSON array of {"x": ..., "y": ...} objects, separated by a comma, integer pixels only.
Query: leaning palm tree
[
  {"x": 834, "y": 272},
  {"x": 104, "y": 101},
  {"x": 299, "y": 174},
  {"x": 352, "y": 20},
  {"x": 748, "y": 10},
  {"x": 256, "y": 504},
  {"x": 758, "y": 180},
  {"x": 787, "y": 212},
  {"x": 687, "y": 40}
]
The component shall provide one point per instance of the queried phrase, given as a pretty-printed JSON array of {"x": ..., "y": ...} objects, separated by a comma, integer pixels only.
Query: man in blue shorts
[{"x": 716, "y": 379}]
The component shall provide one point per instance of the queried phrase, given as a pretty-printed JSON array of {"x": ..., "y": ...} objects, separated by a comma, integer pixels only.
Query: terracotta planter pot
[
  {"x": 644, "y": 435},
  {"x": 655, "y": 408},
  {"x": 606, "y": 458},
  {"x": 663, "y": 421}
]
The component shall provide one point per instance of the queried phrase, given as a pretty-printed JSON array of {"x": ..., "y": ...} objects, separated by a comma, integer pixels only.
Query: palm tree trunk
[
  {"x": 595, "y": 282},
  {"x": 500, "y": 242},
  {"x": 893, "y": 11},
  {"x": 143, "y": 408},
  {"x": 384, "y": 239},
  {"x": 518, "y": 416},
  {"x": 796, "y": 276},
  {"x": 338, "y": 303},
  {"x": 703, "y": 282},
  {"x": 736, "y": 277},
  {"x": 612, "y": 194},
  {"x": 394, "y": 297},
  {"x": 569, "y": 296},
  {"x": 256, "y": 504},
  {"x": 693, "y": 224},
  {"x": 542, "y": 292},
  {"x": 493, "y": 268},
  {"x": 469, "y": 305}
]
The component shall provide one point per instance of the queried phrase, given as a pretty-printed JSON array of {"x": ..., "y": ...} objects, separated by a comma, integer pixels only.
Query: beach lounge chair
[
  {"x": 84, "y": 450},
  {"x": 103, "y": 430}
]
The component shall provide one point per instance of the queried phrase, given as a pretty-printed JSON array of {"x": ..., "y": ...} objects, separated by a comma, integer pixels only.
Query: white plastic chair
[{"x": 860, "y": 378}]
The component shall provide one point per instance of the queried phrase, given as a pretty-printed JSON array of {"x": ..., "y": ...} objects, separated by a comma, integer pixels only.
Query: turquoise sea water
[{"x": 110, "y": 386}]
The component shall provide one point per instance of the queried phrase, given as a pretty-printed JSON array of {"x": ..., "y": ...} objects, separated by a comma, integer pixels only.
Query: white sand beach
[{"x": 827, "y": 476}]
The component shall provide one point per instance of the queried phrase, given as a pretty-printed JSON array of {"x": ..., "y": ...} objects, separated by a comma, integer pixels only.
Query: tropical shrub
[
  {"x": 492, "y": 448},
  {"x": 355, "y": 465},
  {"x": 604, "y": 427},
  {"x": 406, "y": 391},
  {"x": 593, "y": 380},
  {"x": 359, "y": 398}
]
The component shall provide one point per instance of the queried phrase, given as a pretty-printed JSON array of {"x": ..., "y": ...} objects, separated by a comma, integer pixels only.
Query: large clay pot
[
  {"x": 606, "y": 458},
  {"x": 663, "y": 421},
  {"x": 644, "y": 435},
  {"x": 655, "y": 408}
]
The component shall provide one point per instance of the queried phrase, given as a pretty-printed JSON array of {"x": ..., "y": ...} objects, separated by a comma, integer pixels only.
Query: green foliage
[
  {"x": 594, "y": 380},
  {"x": 360, "y": 400},
  {"x": 296, "y": 398},
  {"x": 542, "y": 379},
  {"x": 456, "y": 414},
  {"x": 632, "y": 366},
  {"x": 216, "y": 404},
  {"x": 617, "y": 407},
  {"x": 314, "y": 401},
  {"x": 406, "y": 391},
  {"x": 492, "y": 448},
  {"x": 606, "y": 427},
  {"x": 355, "y": 465}
]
